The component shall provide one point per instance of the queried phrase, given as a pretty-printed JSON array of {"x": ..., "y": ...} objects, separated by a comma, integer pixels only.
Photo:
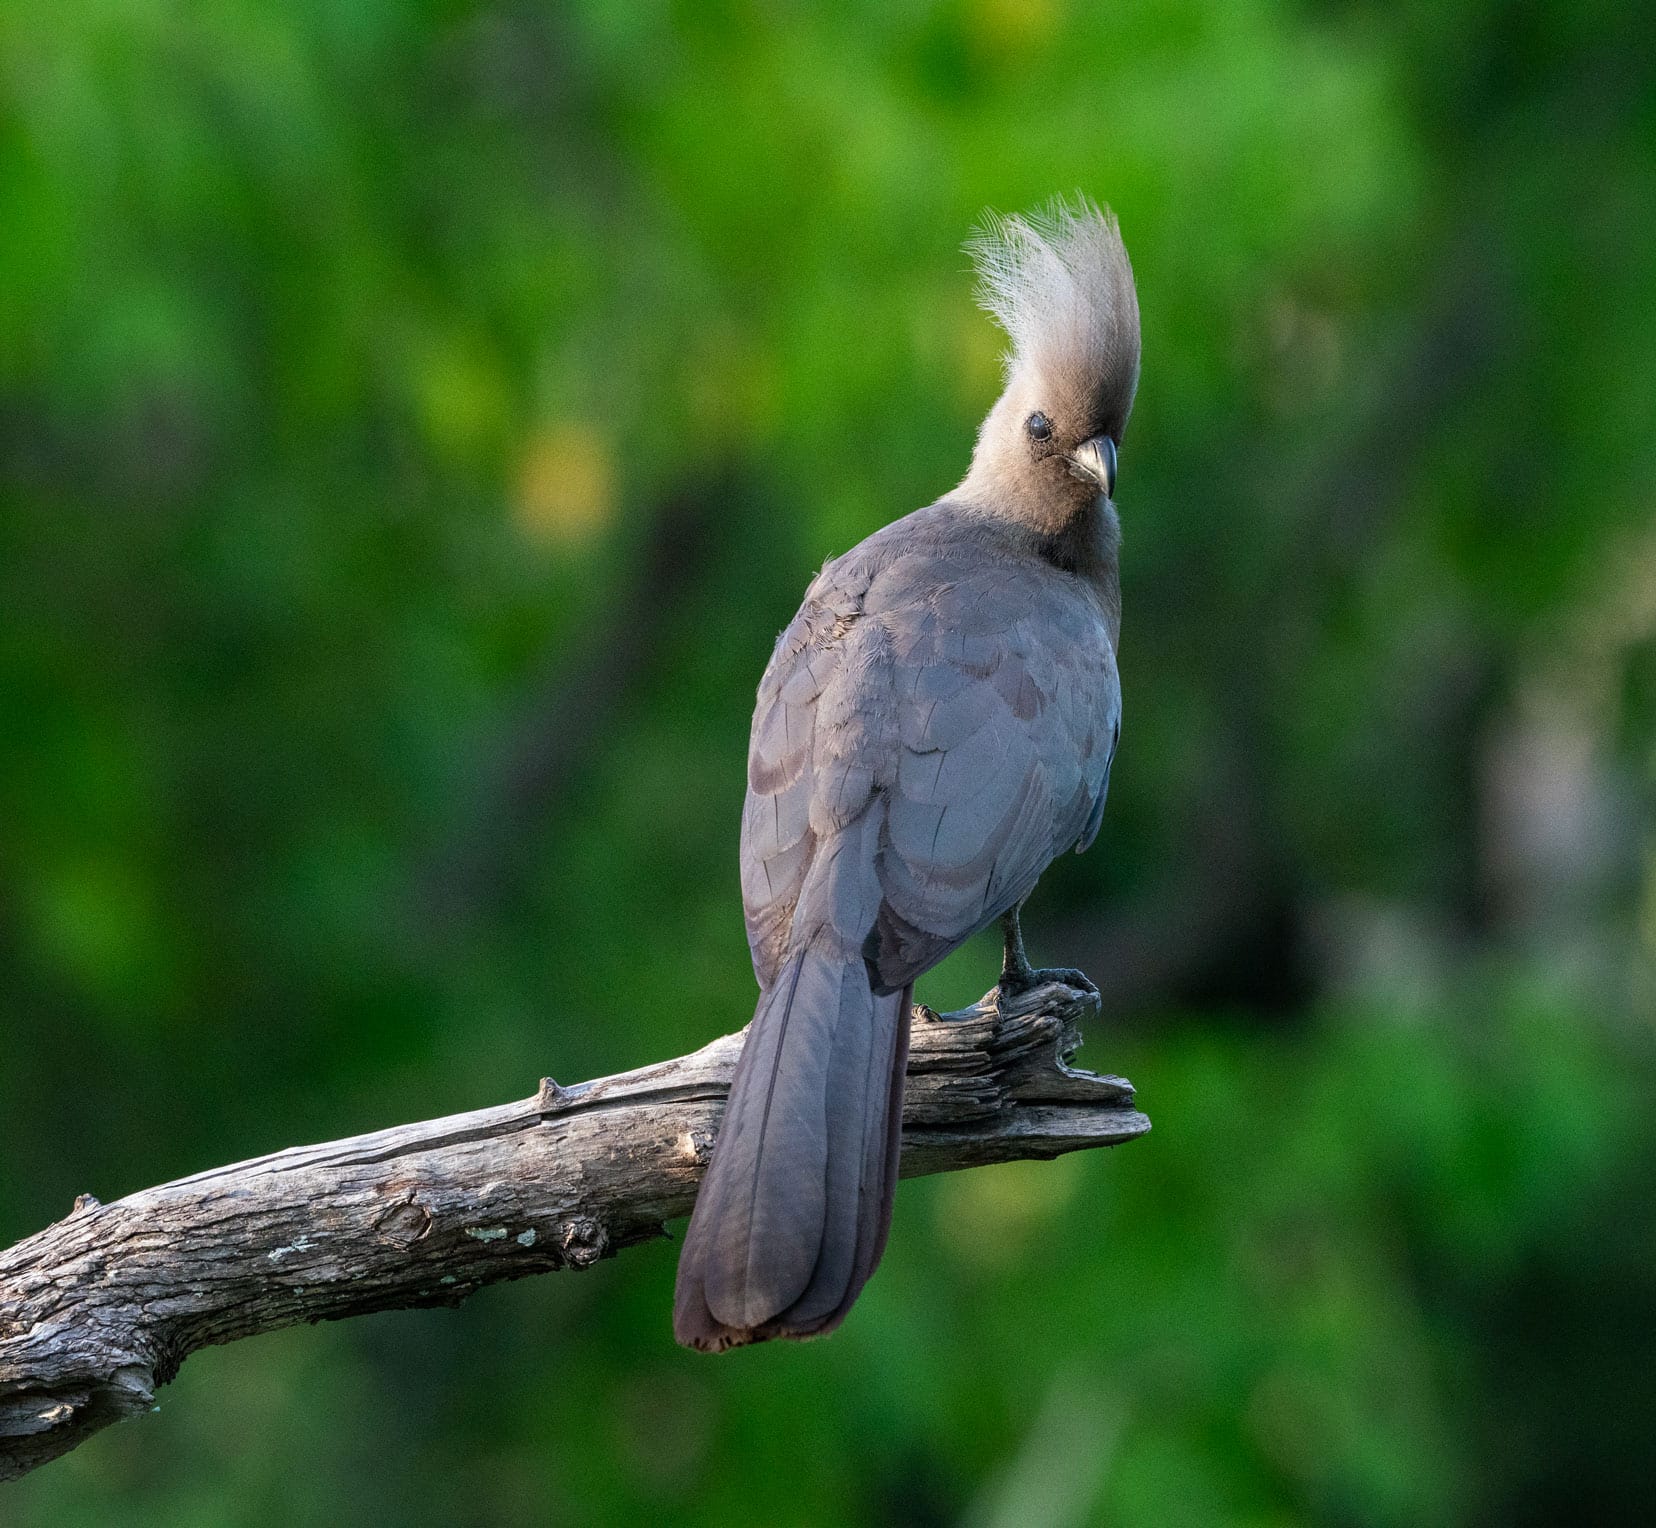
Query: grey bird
[{"x": 935, "y": 727}]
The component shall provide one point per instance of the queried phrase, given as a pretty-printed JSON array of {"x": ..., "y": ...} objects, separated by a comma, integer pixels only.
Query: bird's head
[{"x": 1059, "y": 283}]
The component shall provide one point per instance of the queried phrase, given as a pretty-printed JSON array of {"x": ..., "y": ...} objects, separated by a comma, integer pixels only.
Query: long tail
[{"x": 793, "y": 1213}]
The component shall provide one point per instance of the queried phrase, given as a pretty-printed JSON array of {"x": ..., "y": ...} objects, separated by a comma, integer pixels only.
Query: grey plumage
[{"x": 935, "y": 726}]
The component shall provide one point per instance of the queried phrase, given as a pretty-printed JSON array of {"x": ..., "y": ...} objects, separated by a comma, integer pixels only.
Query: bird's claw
[{"x": 1014, "y": 984}]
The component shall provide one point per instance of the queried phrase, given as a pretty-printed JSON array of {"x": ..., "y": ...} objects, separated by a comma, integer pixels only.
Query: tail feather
[
  {"x": 882, "y": 1147},
  {"x": 793, "y": 1213}
]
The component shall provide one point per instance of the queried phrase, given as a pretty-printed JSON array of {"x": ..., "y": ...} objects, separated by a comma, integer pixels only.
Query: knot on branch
[
  {"x": 405, "y": 1223},
  {"x": 583, "y": 1241}
]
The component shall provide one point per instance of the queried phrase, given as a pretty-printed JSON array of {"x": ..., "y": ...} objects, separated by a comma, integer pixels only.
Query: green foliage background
[{"x": 417, "y": 419}]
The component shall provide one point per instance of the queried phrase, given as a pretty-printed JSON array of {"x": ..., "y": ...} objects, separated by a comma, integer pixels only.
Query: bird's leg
[{"x": 1018, "y": 976}]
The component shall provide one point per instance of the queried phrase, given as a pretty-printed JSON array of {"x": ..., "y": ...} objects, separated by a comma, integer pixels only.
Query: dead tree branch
[{"x": 100, "y": 1309}]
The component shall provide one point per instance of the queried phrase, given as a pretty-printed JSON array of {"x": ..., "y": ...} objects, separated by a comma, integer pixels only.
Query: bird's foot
[{"x": 1015, "y": 981}]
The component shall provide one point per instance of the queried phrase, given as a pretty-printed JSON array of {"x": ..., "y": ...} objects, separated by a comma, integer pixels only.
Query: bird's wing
[
  {"x": 796, "y": 763},
  {"x": 980, "y": 700},
  {"x": 1007, "y": 706}
]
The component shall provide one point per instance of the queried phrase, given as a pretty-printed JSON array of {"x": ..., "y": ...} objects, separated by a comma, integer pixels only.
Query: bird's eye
[{"x": 1039, "y": 427}]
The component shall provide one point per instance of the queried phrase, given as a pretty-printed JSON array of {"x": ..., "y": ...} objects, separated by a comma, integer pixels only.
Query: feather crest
[{"x": 1059, "y": 283}]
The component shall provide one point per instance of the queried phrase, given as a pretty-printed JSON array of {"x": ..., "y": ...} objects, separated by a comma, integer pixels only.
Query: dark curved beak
[{"x": 1095, "y": 460}]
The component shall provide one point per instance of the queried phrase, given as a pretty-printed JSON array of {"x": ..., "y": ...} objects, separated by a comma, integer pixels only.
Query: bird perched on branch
[{"x": 935, "y": 727}]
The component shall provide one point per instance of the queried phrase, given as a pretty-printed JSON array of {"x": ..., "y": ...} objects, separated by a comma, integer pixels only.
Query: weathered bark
[{"x": 101, "y": 1308}]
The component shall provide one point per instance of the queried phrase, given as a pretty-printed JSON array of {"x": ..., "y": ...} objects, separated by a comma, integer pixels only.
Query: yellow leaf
[{"x": 565, "y": 485}]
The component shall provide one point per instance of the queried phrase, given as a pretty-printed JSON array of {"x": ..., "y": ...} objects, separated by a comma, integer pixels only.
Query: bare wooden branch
[{"x": 100, "y": 1309}]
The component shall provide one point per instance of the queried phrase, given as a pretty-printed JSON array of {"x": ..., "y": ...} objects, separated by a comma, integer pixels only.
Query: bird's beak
[{"x": 1095, "y": 460}]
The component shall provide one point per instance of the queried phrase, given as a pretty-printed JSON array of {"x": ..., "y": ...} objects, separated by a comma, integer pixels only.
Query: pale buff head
[{"x": 1060, "y": 285}]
